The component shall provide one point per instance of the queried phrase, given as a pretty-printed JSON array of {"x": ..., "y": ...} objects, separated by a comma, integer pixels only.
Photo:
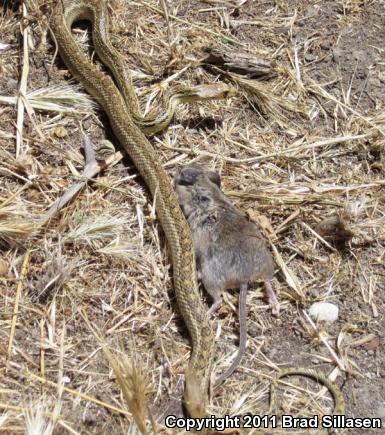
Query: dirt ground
[{"x": 292, "y": 150}]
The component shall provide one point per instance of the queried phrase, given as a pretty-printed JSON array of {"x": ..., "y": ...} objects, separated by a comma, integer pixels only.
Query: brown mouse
[{"x": 230, "y": 250}]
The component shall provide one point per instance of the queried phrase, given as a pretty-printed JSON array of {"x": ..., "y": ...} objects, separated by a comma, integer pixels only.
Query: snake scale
[{"x": 128, "y": 125}]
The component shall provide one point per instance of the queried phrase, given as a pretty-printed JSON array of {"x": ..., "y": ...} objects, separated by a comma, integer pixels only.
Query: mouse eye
[
  {"x": 185, "y": 182},
  {"x": 204, "y": 199},
  {"x": 187, "y": 179}
]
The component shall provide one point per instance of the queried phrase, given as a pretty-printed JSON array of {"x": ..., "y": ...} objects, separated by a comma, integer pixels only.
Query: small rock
[
  {"x": 4, "y": 46},
  {"x": 309, "y": 57},
  {"x": 325, "y": 45},
  {"x": 375, "y": 81},
  {"x": 60, "y": 131},
  {"x": 373, "y": 344},
  {"x": 311, "y": 11},
  {"x": 337, "y": 53},
  {"x": 33, "y": 195},
  {"x": 324, "y": 311},
  {"x": 253, "y": 331},
  {"x": 336, "y": 93},
  {"x": 89, "y": 418},
  {"x": 270, "y": 352},
  {"x": 334, "y": 228},
  {"x": 313, "y": 293},
  {"x": 359, "y": 55},
  {"x": 376, "y": 166},
  {"x": 12, "y": 84},
  {"x": 26, "y": 164},
  {"x": 87, "y": 124}
]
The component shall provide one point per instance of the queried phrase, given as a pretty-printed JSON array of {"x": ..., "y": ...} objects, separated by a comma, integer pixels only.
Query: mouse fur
[{"x": 230, "y": 250}]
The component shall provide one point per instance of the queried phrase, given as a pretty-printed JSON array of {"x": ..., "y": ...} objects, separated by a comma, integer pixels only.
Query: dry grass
[{"x": 91, "y": 340}]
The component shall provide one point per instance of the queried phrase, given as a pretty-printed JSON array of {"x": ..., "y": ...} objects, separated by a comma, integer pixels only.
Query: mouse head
[
  {"x": 196, "y": 189},
  {"x": 190, "y": 175}
]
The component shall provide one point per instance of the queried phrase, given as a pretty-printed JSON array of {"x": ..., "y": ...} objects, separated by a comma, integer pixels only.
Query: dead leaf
[{"x": 263, "y": 222}]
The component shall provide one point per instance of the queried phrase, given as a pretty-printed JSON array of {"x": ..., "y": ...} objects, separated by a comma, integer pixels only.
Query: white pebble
[{"x": 324, "y": 311}]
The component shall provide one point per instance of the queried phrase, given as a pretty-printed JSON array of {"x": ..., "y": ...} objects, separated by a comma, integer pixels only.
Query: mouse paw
[
  {"x": 272, "y": 299},
  {"x": 214, "y": 307},
  {"x": 275, "y": 307}
]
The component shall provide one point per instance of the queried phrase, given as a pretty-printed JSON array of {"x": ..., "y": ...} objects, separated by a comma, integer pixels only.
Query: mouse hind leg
[
  {"x": 272, "y": 298},
  {"x": 214, "y": 289},
  {"x": 216, "y": 295},
  {"x": 214, "y": 307}
]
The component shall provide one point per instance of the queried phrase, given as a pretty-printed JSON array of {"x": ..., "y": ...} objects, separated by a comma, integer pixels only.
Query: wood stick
[{"x": 241, "y": 62}]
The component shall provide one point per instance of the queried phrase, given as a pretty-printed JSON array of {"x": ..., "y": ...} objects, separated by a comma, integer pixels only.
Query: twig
[
  {"x": 297, "y": 67},
  {"x": 286, "y": 153},
  {"x": 290, "y": 277},
  {"x": 324, "y": 341},
  {"x": 10, "y": 198},
  {"x": 167, "y": 18},
  {"x": 22, "y": 88},
  {"x": 316, "y": 235},
  {"x": 42, "y": 349},
  {"x": 240, "y": 62},
  {"x": 23, "y": 273}
]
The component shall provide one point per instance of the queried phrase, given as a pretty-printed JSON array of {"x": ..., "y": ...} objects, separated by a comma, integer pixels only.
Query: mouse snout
[
  {"x": 182, "y": 178},
  {"x": 188, "y": 175}
]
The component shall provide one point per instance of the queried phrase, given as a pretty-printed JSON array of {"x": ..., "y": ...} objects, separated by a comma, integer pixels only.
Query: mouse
[{"x": 230, "y": 251}]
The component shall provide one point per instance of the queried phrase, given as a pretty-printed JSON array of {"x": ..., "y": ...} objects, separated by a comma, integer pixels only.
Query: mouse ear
[{"x": 214, "y": 177}]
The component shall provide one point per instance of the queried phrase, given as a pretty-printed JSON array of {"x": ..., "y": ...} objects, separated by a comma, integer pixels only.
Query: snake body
[
  {"x": 339, "y": 402},
  {"x": 127, "y": 123},
  {"x": 318, "y": 376},
  {"x": 121, "y": 108}
]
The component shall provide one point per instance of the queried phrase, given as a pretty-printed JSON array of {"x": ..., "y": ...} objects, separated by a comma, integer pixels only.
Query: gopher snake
[{"x": 127, "y": 125}]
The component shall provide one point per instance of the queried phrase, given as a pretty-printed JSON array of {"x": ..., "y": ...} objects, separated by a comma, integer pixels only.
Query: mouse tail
[{"x": 242, "y": 335}]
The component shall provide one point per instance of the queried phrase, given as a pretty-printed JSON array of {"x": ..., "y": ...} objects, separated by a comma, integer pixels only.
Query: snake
[
  {"x": 120, "y": 104},
  {"x": 118, "y": 99},
  {"x": 315, "y": 375},
  {"x": 318, "y": 376}
]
